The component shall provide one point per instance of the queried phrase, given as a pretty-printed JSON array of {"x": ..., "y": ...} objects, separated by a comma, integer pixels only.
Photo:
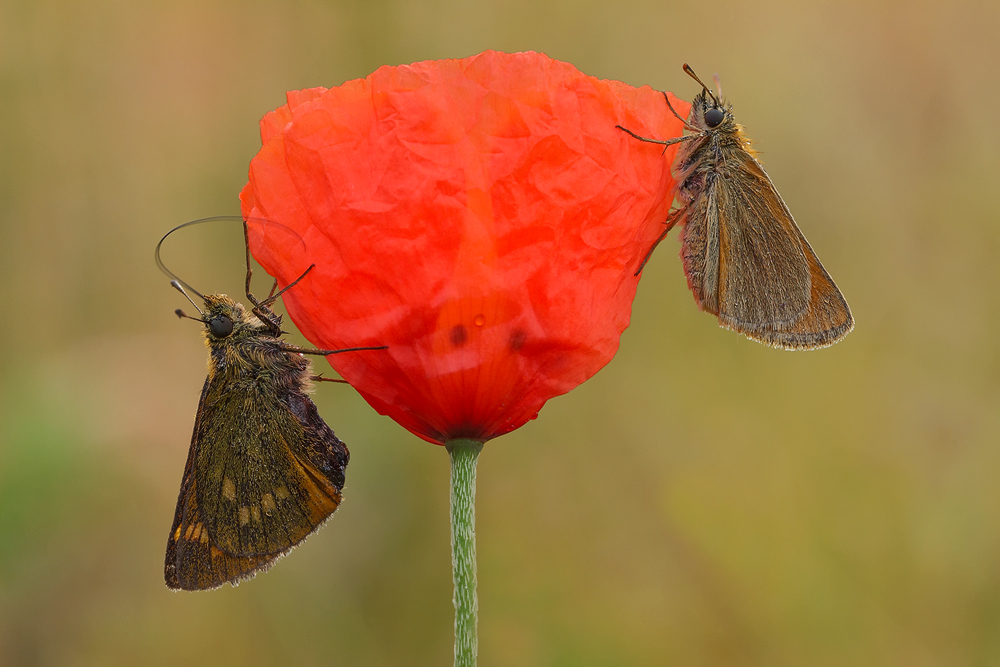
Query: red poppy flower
[{"x": 482, "y": 217}]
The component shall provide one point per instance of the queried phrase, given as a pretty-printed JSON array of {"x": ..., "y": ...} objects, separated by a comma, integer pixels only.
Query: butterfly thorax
[
  {"x": 250, "y": 353},
  {"x": 713, "y": 152}
]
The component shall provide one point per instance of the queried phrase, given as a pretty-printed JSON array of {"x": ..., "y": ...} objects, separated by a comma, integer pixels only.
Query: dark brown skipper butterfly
[
  {"x": 264, "y": 470},
  {"x": 745, "y": 259}
]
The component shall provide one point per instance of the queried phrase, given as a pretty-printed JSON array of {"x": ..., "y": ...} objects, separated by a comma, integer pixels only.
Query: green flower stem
[{"x": 464, "y": 454}]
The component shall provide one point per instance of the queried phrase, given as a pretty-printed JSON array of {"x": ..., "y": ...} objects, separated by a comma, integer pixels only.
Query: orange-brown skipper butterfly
[
  {"x": 264, "y": 470},
  {"x": 745, "y": 259}
]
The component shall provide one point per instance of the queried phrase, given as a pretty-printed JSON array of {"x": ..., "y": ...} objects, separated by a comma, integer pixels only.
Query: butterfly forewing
[
  {"x": 764, "y": 277},
  {"x": 775, "y": 290},
  {"x": 248, "y": 499},
  {"x": 193, "y": 562}
]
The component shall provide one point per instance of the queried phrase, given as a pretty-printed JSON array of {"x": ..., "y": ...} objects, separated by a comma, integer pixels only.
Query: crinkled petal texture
[{"x": 482, "y": 217}]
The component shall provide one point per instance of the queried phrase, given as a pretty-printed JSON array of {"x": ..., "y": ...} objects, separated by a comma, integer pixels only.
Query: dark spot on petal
[
  {"x": 517, "y": 338},
  {"x": 459, "y": 335}
]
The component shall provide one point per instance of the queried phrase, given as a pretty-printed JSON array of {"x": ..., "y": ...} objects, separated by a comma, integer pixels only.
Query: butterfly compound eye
[
  {"x": 220, "y": 326},
  {"x": 713, "y": 117}
]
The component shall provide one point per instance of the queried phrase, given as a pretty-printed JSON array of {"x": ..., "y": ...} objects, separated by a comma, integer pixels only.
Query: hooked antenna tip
[
  {"x": 176, "y": 284},
  {"x": 690, "y": 73}
]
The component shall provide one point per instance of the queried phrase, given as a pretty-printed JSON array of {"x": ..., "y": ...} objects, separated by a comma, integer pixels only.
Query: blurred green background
[{"x": 703, "y": 500}]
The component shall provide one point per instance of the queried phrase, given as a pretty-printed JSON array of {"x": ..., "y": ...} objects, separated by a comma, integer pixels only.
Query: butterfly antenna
[
  {"x": 168, "y": 272},
  {"x": 176, "y": 284},
  {"x": 718, "y": 85},
  {"x": 246, "y": 247},
  {"x": 690, "y": 73}
]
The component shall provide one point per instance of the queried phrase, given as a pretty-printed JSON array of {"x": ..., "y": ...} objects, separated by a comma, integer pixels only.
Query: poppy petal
[{"x": 482, "y": 217}]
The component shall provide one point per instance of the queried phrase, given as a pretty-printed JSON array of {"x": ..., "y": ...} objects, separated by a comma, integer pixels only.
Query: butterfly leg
[
  {"x": 320, "y": 378},
  {"x": 246, "y": 245},
  {"x": 687, "y": 125},
  {"x": 323, "y": 353},
  {"x": 272, "y": 297},
  {"x": 669, "y": 223},
  {"x": 262, "y": 309},
  {"x": 665, "y": 144}
]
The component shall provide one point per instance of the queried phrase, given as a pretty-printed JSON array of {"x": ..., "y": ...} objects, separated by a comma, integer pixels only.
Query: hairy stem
[{"x": 464, "y": 454}]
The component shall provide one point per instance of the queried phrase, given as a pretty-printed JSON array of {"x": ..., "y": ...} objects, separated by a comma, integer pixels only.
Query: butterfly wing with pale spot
[{"x": 263, "y": 471}]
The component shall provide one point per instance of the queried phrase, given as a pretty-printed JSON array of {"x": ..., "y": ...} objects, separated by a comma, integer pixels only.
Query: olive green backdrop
[{"x": 702, "y": 501}]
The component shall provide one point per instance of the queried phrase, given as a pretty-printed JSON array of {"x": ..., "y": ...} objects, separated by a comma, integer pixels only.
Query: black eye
[
  {"x": 220, "y": 326},
  {"x": 714, "y": 116}
]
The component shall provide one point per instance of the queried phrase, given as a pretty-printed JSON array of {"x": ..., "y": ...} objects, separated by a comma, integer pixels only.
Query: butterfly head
[
  {"x": 226, "y": 320},
  {"x": 709, "y": 112},
  {"x": 712, "y": 114}
]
